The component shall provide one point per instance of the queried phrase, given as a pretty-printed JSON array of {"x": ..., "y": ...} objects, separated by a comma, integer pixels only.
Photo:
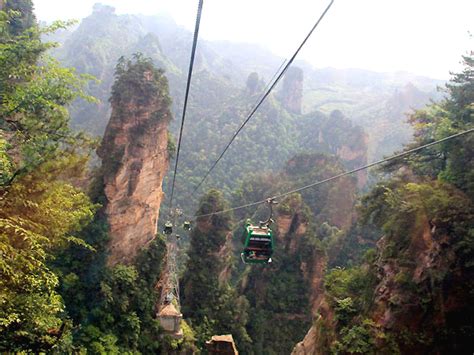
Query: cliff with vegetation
[
  {"x": 80, "y": 257},
  {"x": 210, "y": 302},
  {"x": 411, "y": 294},
  {"x": 228, "y": 79},
  {"x": 135, "y": 157},
  {"x": 62, "y": 287},
  {"x": 110, "y": 289},
  {"x": 291, "y": 93}
]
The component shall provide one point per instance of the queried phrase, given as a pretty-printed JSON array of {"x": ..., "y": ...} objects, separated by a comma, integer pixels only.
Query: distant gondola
[
  {"x": 187, "y": 225},
  {"x": 168, "y": 228}
]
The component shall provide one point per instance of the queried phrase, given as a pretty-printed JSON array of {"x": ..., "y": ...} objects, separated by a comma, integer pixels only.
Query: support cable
[
  {"x": 188, "y": 85},
  {"x": 263, "y": 98},
  {"x": 268, "y": 85},
  {"x": 314, "y": 184}
]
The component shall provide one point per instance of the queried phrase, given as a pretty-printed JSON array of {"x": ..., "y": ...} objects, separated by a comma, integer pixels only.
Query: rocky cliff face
[
  {"x": 336, "y": 135},
  {"x": 292, "y": 91},
  {"x": 412, "y": 296},
  {"x": 332, "y": 203},
  {"x": 134, "y": 154}
]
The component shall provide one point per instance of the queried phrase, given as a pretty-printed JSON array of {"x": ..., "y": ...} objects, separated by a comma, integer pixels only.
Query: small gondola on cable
[
  {"x": 258, "y": 245},
  {"x": 187, "y": 225},
  {"x": 168, "y": 229},
  {"x": 171, "y": 222}
]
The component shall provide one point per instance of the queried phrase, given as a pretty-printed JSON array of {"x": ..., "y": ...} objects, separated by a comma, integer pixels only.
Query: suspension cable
[
  {"x": 263, "y": 98},
  {"x": 268, "y": 85},
  {"x": 317, "y": 183},
  {"x": 188, "y": 85},
  {"x": 259, "y": 98}
]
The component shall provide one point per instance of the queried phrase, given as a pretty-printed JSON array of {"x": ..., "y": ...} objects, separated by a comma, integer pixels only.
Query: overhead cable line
[
  {"x": 262, "y": 93},
  {"x": 265, "y": 89},
  {"x": 188, "y": 85},
  {"x": 263, "y": 97},
  {"x": 317, "y": 183},
  {"x": 268, "y": 85}
]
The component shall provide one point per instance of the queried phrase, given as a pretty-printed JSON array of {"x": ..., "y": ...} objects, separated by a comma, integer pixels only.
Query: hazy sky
[{"x": 425, "y": 37}]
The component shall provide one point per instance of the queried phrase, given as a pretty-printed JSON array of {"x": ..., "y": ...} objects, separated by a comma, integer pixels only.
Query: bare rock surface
[{"x": 135, "y": 160}]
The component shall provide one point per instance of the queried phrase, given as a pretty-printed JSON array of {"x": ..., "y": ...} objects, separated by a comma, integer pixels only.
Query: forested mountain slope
[
  {"x": 221, "y": 98},
  {"x": 412, "y": 294},
  {"x": 82, "y": 259}
]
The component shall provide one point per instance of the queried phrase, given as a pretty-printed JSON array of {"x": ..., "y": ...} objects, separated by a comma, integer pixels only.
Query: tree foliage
[
  {"x": 211, "y": 303},
  {"x": 41, "y": 161},
  {"x": 426, "y": 212},
  {"x": 114, "y": 307}
]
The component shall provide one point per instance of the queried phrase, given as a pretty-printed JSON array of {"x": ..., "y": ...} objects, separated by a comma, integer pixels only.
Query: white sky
[{"x": 425, "y": 37}]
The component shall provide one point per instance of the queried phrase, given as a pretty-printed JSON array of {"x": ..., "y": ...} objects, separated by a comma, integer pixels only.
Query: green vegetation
[
  {"x": 409, "y": 291},
  {"x": 425, "y": 257},
  {"x": 209, "y": 301},
  {"x": 114, "y": 306},
  {"x": 56, "y": 294},
  {"x": 42, "y": 211},
  {"x": 137, "y": 82}
]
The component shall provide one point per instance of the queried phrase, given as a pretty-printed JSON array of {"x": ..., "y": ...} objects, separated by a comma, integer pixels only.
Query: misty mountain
[{"x": 220, "y": 99}]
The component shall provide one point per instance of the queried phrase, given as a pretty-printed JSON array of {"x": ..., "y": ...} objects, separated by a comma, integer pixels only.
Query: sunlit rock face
[{"x": 135, "y": 159}]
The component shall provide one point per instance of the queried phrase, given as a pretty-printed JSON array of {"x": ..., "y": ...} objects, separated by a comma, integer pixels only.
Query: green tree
[
  {"x": 33, "y": 99},
  {"x": 41, "y": 210},
  {"x": 425, "y": 212},
  {"x": 22, "y": 17},
  {"x": 209, "y": 301}
]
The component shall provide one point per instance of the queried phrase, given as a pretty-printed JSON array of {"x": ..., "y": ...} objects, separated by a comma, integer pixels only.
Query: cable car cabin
[
  {"x": 187, "y": 225},
  {"x": 258, "y": 247},
  {"x": 168, "y": 228}
]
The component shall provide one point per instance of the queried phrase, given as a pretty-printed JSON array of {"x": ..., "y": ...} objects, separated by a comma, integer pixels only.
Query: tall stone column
[{"x": 135, "y": 158}]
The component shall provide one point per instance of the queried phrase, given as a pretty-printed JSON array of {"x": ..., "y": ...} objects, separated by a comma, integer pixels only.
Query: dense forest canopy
[
  {"x": 378, "y": 262},
  {"x": 42, "y": 162}
]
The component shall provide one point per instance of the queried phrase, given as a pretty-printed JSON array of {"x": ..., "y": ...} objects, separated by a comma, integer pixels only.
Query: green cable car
[
  {"x": 187, "y": 225},
  {"x": 258, "y": 247},
  {"x": 168, "y": 228}
]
